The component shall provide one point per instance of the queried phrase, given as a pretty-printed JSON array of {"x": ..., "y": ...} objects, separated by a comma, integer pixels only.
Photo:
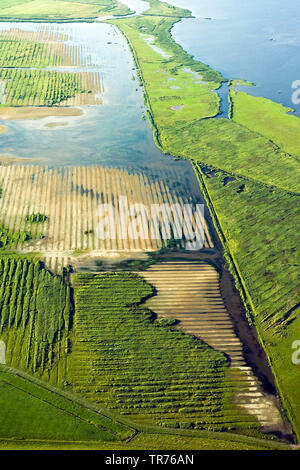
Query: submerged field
[
  {"x": 36, "y": 70},
  {"x": 69, "y": 201},
  {"x": 158, "y": 8}
]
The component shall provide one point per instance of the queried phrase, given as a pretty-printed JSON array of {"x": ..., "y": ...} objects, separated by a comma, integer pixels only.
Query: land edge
[
  {"x": 286, "y": 406},
  {"x": 133, "y": 425},
  {"x": 250, "y": 309},
  {"x": 88, "y": 19}
]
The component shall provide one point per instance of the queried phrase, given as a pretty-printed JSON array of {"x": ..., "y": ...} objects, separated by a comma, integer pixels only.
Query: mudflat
[{"x": 12, "y": 113}]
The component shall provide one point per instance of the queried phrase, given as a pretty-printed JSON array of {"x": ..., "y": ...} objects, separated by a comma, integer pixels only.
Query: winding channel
[{"x": 256, "y": 41}]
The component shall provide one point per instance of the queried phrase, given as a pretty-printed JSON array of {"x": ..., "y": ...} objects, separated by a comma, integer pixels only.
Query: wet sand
[{"x": 12, "y": 113}]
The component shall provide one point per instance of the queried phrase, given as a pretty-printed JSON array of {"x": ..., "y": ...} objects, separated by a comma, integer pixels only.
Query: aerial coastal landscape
[{"x": 149, "y": 211}]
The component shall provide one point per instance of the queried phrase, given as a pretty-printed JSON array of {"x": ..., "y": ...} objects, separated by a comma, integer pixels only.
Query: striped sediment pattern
[
  {"x": 123, "y": 360},
  {"x": 47, "y": 58},
  {"x": 190, "y": 293},
  {"x": 70, "y": 199},
  {"x": 59, "y": 50}
]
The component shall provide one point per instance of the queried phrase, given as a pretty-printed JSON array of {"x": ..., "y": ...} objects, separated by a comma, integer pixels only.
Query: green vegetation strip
[
  {"x": 120, "y": 354},
  {"x": 158, "y": 8},
  {"x": 44, "y": 415},
  {"x": 251, "y": 183},
  {"x": 35, "y": 315},
  {"x": 50, "y": 10},
  {"x": 124, "y": 361},
  {"x": 269, "y": 119}
]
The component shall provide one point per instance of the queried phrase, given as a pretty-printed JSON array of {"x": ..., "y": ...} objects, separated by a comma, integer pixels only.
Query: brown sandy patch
[
  {"x": 56, "y": 124},
  {"x": 12, "y": 113},
  {"x": 2, "y": 129},
  {"x": 8, "y": 159}
]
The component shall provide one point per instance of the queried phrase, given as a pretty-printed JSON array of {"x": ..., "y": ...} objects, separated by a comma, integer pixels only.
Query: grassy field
[
  {"x": 145, "y": 373},
  {"x": 31, "y": 411},
  {"x": 60, "y": 9},
  {"x": 71, "y": 215},
  {"x": 36, "y": 315},
  {"x": 149, "y": 371},
  {"x": 252, "y": 184},
  {"x": 158, "y": 8},
  {"x": 267, "y": 118},
  {"x": 179, "y": 81},
  {"x": 190, "y": 293},
  {"x": 37, "y": 416}
]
